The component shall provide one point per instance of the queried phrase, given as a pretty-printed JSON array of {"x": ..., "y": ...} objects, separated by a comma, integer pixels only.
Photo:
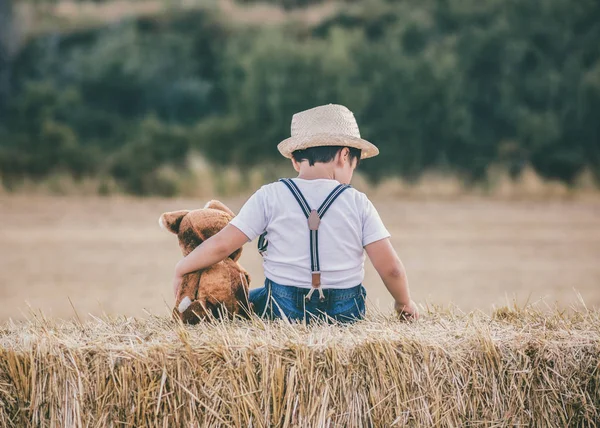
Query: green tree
[
  {"x": 36, "y": 140},
  {"x": 136, "y": 166}
]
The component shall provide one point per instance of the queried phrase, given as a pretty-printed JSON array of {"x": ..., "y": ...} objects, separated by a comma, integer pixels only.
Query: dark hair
[{"x": 324, "y": 154}]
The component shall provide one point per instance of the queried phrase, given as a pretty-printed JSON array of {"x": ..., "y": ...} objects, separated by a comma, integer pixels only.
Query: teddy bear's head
[{"x": 193, "y": 227}]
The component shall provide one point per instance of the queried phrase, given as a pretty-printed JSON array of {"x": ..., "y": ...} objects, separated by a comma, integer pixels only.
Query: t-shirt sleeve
[
  {"x": 373, "y": 228},
  {"x": 252, "y": 218}
]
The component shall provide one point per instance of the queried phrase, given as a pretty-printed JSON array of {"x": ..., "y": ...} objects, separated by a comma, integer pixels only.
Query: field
[
  {"x": 108, "y": 255},
  {"x": 119, "y": 360}
]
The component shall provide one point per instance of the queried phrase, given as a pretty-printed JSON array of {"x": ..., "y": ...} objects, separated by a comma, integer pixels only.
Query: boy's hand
[
  {"x": 408, "y": 312},
  {"x": 392, "y": 272},
  {"x": 177, "y": 280}
]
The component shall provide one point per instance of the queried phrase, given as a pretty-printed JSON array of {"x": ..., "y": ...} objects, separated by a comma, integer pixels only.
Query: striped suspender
[
  {"x": 262, "y": 243},
  {"x": 314, "y": 219}
]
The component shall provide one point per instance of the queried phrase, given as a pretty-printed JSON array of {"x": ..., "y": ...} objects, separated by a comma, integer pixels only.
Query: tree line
[{"x": 452, "y": 85}]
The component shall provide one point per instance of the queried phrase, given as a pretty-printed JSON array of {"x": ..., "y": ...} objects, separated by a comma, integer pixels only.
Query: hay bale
[{"x": 515, "y": 367}]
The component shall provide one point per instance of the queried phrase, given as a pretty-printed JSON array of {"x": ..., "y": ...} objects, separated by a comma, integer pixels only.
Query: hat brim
[{"x": 289, "y": 145}]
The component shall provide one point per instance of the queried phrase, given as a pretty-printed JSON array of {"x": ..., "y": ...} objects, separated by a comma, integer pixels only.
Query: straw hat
[{"x": 326, "y": 125}]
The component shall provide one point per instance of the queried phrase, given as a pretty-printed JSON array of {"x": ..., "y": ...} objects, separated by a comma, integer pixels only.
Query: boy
[{"x": 313, "y": 229}]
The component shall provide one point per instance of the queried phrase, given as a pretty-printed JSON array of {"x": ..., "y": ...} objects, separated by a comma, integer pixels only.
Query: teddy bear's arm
[{"x": 188, "y": 292}]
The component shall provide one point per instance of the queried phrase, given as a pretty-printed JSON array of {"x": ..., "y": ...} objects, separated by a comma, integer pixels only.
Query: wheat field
[
  {"x": 509, "y": 334},
  {"x": 94, "y": 255}
]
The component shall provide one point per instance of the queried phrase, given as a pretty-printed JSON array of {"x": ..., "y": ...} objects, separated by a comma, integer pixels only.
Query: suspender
[{"x": 314, "y": 219}]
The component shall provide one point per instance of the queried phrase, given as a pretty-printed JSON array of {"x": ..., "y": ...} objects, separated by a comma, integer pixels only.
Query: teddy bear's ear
[
  {"x": 218, "y": 205},
  {"x": 172, "y": 220}
]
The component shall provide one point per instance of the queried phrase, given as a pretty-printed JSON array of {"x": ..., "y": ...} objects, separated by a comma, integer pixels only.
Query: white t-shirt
[{"x": 350, "y": 223}]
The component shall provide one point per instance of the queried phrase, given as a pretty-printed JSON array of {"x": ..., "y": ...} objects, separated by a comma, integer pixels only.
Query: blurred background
[{"x": 486, "y": 112}]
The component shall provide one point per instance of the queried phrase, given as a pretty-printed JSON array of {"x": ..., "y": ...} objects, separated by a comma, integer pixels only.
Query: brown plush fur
[{"x": 219, "y": 290}]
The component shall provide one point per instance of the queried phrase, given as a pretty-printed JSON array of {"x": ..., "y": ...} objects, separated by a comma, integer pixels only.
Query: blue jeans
[{"x": 343, "y": 305}]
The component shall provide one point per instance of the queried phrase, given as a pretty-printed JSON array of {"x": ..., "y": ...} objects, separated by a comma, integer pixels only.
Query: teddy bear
[{"x": 221, "y": 289}]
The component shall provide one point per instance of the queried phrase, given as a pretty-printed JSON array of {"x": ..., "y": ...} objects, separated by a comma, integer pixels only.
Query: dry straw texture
[{"x": 516, "y": 367}]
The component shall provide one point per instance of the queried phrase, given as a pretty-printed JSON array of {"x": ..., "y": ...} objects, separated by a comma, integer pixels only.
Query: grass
[
  {"x": 203, "y": 180},
  {"x": 516, "y": 366}
]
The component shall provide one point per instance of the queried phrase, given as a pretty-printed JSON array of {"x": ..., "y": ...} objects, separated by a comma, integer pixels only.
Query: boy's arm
[
  {"x": 392, "y": 272},
  {"x": 216, "y": 248}
]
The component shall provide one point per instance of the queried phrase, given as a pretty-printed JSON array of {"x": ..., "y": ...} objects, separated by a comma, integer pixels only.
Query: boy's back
[{"x": 351, "y": 223}]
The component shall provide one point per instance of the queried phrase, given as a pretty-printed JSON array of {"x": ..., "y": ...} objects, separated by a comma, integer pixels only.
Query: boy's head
[
  {"x": 327, "y": 134},
  {"x": 342, "y": 160}
]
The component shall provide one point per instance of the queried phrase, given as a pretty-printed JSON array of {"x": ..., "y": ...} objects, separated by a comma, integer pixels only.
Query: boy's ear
[
  {"x": 345, "y": 155},
  {"x": 296, "y": 165},
  {"x": 172, "y": 220}
]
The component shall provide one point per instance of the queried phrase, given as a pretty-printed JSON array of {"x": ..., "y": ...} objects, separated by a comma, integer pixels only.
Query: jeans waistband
[{"x": 331, "y": 294}]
